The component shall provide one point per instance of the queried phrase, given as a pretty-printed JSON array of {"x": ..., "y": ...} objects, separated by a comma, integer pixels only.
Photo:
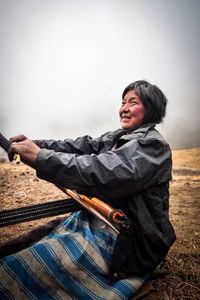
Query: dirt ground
[{"x": 180, "y": 276}]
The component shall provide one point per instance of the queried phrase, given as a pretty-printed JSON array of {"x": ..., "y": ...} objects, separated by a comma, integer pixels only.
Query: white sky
[{"x": 65, "y": 63}]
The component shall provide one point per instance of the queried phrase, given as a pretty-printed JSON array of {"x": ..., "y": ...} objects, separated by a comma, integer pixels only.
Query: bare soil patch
[{"x": 180, "y": 276}]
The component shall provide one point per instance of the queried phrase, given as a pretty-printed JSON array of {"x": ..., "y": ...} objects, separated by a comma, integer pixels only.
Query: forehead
[{"x": 131, "y": 94}]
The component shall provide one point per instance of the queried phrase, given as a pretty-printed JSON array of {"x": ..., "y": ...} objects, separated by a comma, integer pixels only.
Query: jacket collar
[
  {"x": 139, "y": 132},
  {"x": 144, "y": 128}
]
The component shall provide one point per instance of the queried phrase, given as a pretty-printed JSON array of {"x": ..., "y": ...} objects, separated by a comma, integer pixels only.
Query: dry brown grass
[{"x": 188, "y": 158}]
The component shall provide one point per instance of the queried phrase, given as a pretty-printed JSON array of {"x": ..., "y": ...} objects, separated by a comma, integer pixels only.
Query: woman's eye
[{"x": 133, "y": 102}]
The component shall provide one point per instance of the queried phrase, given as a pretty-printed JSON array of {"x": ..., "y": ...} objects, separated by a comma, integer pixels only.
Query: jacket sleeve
[
  {"x": 132, "y": 167},
  {"x": 81, "y": 145}
]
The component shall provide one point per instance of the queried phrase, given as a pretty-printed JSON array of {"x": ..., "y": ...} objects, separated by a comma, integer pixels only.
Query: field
[{"x": 180, "y": 276}]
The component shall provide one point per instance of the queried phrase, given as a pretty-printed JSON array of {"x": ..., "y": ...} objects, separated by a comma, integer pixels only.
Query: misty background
[{"x": 64, "y": 65}]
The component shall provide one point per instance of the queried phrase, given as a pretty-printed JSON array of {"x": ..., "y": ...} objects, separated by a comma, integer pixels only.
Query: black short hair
[{"x": 154, "y": 100}]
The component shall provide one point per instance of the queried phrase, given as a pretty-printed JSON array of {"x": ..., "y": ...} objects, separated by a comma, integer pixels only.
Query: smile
[{"x": 125, "y": 118}]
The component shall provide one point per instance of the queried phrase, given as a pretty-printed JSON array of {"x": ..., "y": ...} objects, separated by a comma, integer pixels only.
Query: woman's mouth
[{"x": 124, "y": 118}]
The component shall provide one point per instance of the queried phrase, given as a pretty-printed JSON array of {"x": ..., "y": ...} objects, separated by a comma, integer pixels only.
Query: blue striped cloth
[{"x": 69, "y": 263}]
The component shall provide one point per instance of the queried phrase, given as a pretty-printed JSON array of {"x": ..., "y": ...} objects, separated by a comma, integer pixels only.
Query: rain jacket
[{"x": 130, "y": 171}]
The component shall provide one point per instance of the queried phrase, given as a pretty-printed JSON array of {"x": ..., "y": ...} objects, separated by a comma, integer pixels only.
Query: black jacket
[{"x": 130, "y": 171}]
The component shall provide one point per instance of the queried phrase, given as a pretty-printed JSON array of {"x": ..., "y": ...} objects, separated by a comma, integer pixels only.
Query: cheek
[{"x": 138, "y": 111}]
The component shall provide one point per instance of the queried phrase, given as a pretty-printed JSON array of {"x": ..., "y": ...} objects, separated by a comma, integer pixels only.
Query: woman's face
[{"x": 132, "y": 111}]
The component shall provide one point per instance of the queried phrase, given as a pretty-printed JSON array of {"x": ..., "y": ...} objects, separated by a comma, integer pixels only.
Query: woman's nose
[{"x": 125, "y": 107}]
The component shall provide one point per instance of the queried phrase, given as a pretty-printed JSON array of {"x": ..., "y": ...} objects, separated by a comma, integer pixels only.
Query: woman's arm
[
  {"x": 134, "y": 166},
  {"x": 81, "y": 145}
]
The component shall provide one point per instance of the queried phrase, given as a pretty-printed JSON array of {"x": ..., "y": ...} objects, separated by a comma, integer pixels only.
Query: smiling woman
[
  {"x": 147, "y": 101},
  {"x": 129, "y": 169},
  {"x": 132, "y": 111}
]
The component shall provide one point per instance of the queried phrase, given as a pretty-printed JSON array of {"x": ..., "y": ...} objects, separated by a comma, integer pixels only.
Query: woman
[{"x": 130, "y": 169}]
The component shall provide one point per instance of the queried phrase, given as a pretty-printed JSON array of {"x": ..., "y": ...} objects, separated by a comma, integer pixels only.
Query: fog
[{"x": 64, "y": 65}]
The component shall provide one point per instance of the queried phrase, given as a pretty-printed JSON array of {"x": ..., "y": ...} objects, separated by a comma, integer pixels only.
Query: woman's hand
[{"x": 26, "y": 148}]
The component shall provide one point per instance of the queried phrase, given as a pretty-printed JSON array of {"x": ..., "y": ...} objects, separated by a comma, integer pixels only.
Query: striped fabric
[{"x": 69, "y": 263}]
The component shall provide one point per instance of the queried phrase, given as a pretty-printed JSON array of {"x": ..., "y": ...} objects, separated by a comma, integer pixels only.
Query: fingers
[
  {"x": 27, "y": 150},
  {"x": 11, "y": 154},
  {"x": 18, "y": 138},
  {"x": 13, "y": 149}
]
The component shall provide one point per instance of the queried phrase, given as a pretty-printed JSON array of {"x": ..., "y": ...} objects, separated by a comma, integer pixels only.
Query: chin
[{"x": 126, "y": 126}]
